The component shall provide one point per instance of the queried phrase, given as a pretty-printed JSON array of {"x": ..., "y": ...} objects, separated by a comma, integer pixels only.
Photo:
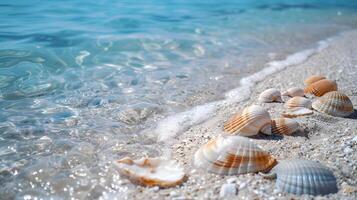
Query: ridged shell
[
  {"x": 252, "y": 120},
  {"x": 298, "y": 102},
  {"x": 296, "y": 112},
  {"x": 304, "y": 177},
  {"x": 334, "y": 103},
  {"x": 152, "y": 171},
  {"x": 312, "y": 79},
  {"x": 270, "y": 95},
  {"x": 321, "y": 87},
  {"x": 294, "y": 92},
  {"x": 229, "y": 155},
  {"x": 284, "y": 126}
]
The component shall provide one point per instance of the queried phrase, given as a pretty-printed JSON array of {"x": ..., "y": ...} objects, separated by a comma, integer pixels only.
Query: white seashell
[
  {"x": 270, "y": 95},
  {"x": 334, "y": 103},
  {"x": 228, "y": 190},
  {"x": 231, "y": 155},
  {"x": 284, "y": 126},
  {"x": 252, "y": 120},
  {"x": 304, "y": 177},
  {"x": 152, "y": 171},
  {"x": 296, "y": 112},
  {"x": 301, "y": 102},
  {"x": 294, "y": 92}
]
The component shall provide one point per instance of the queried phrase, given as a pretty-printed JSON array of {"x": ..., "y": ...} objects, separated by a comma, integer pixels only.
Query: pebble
[
  {"x": 173, "y": 194},
  {"x": 228, "y": 189},
  {"x": 231, "y": 180}
]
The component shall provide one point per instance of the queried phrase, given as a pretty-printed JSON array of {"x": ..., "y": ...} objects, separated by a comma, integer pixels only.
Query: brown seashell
[
  {"x": 252, "y": 120},
  {"x": 334, "y": 103},
  {"x": 301, "y": 102},
  {"x": 312, "y": 79},
  {"x": 321, "y": 87},
  {"x": 294, "y": 92},
  {"x": 284, "y": 126},
  {"x": 270, "y": 95},
  {"x": 152, "y": 171}
]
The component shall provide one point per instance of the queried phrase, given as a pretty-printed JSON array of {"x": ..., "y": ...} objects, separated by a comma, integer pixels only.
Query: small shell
[
  {"x": 298, "y": 102},
  {"x": 304, "y": 177},
  {"x": 294, "y": 92},
  {"x": 152, "y": 171},
  {"x": 321, "y": 87},
  {"x": 312, "y": 79},
  {"x": 284, "y": 126},
  {"x": 270, "y": 95},
  {"x": 296, "y": 112},
  {"x": 229, "y": 155},
  {"x": 253, "y": 119},
  {"x": 334, "y": 103}
]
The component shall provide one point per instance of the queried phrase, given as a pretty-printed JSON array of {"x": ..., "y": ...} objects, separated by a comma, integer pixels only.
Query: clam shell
[
  {"x": 304, "y": 177},
  {"x": 321, "y": 87},
  {"x": 298, "y": 102},
  {"x": 253, "y": 119},
  {"x": 296, "y": 112},
  {"x": 270, "y": 95},
  {"x": 229, "y": 155},
  {"x": 152, "y": 171},
  {"x": 294, "y": 92},
  {"x": 312, "y": 79},
  {"x": 334, "y": 103},
  {"x": 284, "y": 126}
]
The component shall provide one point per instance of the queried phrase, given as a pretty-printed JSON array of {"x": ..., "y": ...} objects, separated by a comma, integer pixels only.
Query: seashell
[
  {"x": 321, "y": 87},
  {"x": 312, "y": 79},
  {"x": 229, "y": 155},
  {"x": 334, "y": 103},
  {"x": 294, "y": 92},
  {"x": 152, "y": 171},
  {"x": 304, "y": 177},
  {"x": 252, "y": 120},
  {"x": 270, "y": 95},
  {"x": 296, "y": 112},
  {"x": 284, "y": 126},
  {"x": 301, "y": 102}
]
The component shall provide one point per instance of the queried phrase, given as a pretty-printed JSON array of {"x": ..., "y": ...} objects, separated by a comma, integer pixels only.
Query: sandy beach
[{"x": 327, "y": 139}]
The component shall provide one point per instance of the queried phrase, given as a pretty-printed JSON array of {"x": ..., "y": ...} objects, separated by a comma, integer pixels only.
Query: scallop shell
[
  {"x": 304, "y": 177},
  {"x": 270, "y": 95},
  {"x": 252, "y": 120},
  {"x": 284, "y": 126},
  {"x": 294, "y": 92},
  {"x": 321, "y": 87},
  {"x": 312, "y": 79},
  {"x": 229, "y": 155},
  {"x": 334, "y": 103},
  {"x": 301, "y": 102},
  {"x": 152, "y": 171},
  {"x": 296, "y": 112}
]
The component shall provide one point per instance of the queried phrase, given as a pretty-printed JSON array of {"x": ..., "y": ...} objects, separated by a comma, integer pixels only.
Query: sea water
[{"x": 84, "y": 83}]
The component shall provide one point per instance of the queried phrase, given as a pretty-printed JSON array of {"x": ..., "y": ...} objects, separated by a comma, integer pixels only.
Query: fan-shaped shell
[
  {"x": 304, "y": 177},
  {"x": 312, "y": 79},
  {"x": 334, "y": 103},
  {"x": 252, "y": 120},
  {"x": 152, "y": 171},
  {"x": 230, "y": 155},
  {"x": 298, "y": 102},
  {"x": 294, "y": 92},
  {"x": 296, "y": 112},
  {"x": 321, "y": 87},
  {"x": 284, "y": 126},
  {"x": 270, "y": 95}
]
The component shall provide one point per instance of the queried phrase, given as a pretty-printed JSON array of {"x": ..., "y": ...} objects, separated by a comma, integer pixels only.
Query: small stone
[
  {"x": 231, "y": 180},
  {"x": 45, "y": 138},
  {"x": 156, "y": 188},
  {"x": 242, "y": 186},
  {"x": 173, "y": 194},
  {"x": 228, "y": 189},
  {"x": 348, "y": 189}
]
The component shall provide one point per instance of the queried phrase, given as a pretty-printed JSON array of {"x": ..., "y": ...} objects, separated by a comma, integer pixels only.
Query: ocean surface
[{"x": 84, "y": 83}]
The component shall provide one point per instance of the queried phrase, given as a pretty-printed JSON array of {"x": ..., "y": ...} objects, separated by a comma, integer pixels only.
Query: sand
[{"x": 330, "y": 140}]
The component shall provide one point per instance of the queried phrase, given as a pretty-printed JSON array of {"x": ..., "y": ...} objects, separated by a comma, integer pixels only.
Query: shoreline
[{"x": 330, "y": 140}]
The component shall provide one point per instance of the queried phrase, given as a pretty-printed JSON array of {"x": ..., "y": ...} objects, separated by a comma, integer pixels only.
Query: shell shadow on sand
[{"x": 353, "y": 115}]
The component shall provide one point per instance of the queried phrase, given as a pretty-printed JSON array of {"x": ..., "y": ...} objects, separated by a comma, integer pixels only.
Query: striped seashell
[
  {"x": 229, "y": 155},
  {"x": 152, "y": 171},
  {"x": 334, "y": 103},
  {"x": 301, "y": 102},
  {"x": 304, "y": 177},
  {"x": 252, "y": 120},
  {"x": 284, "y": 126},
  {"x": 270, "y": 95},
  {"x": 312, "y": 79},
  {"x": 296, "y": 112},
  {"x": 321, "y": 87},
  {"x": 294, "y": 92}
]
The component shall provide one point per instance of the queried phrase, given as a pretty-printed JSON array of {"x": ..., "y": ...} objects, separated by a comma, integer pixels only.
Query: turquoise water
[{"x": 80, "y": 81}]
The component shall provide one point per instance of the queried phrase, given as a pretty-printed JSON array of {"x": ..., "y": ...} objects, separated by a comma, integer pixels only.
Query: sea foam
[{"x": 177, "y": 123}]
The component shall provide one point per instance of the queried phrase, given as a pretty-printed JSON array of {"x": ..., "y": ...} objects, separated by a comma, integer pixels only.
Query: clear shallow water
[{"x": 80, "y": 80}]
